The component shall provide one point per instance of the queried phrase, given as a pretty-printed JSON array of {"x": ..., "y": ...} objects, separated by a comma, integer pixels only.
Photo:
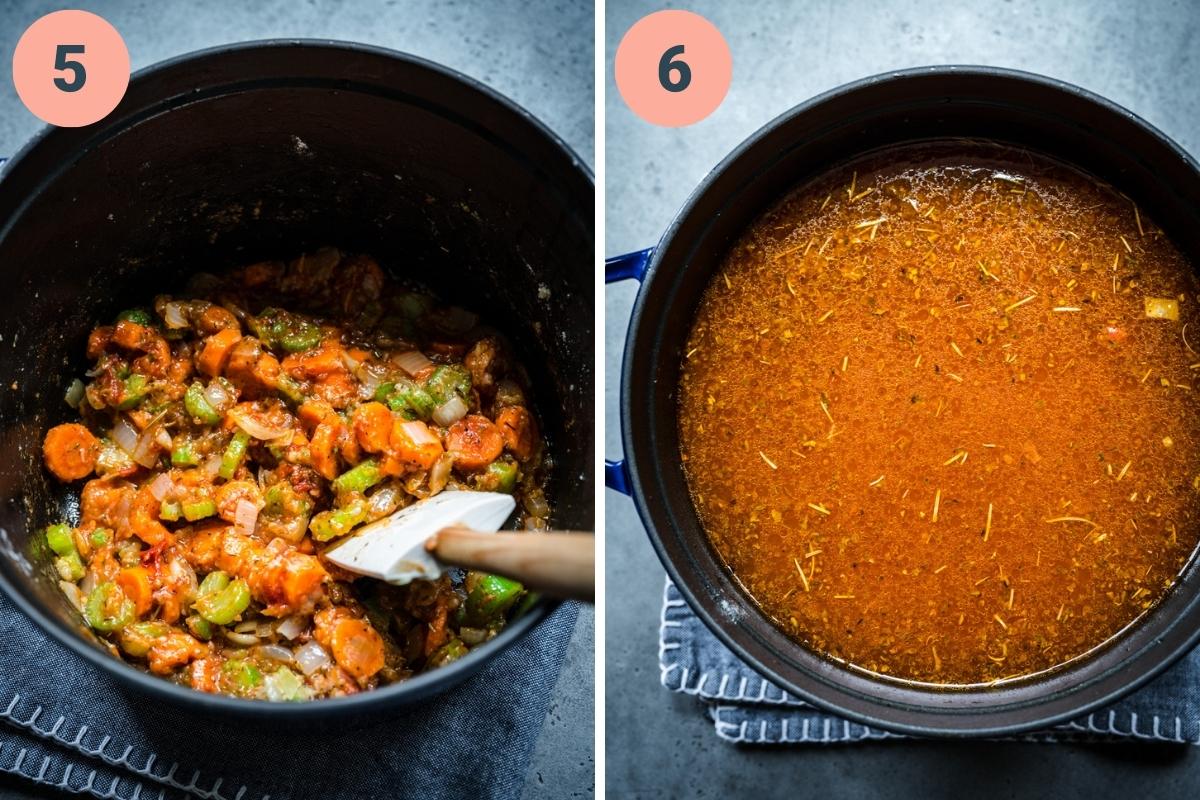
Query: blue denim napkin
[
  {"x": 747, "y": 708},
  {"x": 63, "y": 723}
]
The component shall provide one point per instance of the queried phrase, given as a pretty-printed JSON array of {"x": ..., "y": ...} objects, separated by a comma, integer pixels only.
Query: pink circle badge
[
  {"x": 673, "y": 68},
  {"x": 71, "y": 68}
]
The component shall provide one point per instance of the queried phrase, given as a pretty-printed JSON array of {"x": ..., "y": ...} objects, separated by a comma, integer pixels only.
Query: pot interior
[
  {"x": 923, "y": 105},
  {"x": 201, "y": 169}
]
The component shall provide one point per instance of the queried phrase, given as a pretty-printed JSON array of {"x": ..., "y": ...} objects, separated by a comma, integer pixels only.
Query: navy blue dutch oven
[{"x": 936, "y": 103}]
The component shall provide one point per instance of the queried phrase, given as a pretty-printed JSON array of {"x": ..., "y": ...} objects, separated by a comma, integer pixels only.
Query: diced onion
[
  {"x": 74, "y": 594},
  {"x": 291, "y": 627},
  {"x": 311, "y": 657},
  {"x": 163, "y": 438},
  {"x": 1162, "y": 308},
  {"x": 351, "y": 363},
  {"x": 276, "y": 652},
  {"x": 173, "y": 316},
  {"x": 161, "y": 486},
  {"x": 212, "y": 466},
  {"x": 245, "y": 516},
  {"x": 89, "y": 582},
  {"x": 245, "y": 419},
  {"x": 371, "y": 376},
  {"x": 439, "y": 473},
  {"x": 419, "y": 433},
  {"x": 241, "y": 639},
  {"x": 125, "y": 435},
  {"x": 450, "y": 411},
  {"x": 145, "y": 452},
  {"x": 412, "y": 361},
  {"x": 218, "y": 397},
  {"x": 383, "y": 502},
  {"x": 74, "y": 393}
]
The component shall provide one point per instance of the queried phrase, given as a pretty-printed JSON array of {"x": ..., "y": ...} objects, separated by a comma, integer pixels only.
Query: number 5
[
  {"x": 666, "y": 64},
  {"x": 61, "y": 62}
]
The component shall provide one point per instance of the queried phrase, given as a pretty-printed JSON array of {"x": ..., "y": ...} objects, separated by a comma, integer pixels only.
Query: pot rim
[
  {"x": 413, "y": 689},
  {"x": 637, "y": 483}
]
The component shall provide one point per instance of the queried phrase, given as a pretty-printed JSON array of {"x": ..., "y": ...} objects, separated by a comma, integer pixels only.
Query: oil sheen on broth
[{"x": 938, "y": 414}]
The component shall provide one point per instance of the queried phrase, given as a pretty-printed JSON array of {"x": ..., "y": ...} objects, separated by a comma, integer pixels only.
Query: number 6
[
  {"x": 61, "y": 62},
  {"x": 666, "y": 64}
]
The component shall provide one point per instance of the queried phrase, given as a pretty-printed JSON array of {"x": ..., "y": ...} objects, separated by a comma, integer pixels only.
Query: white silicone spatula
[{"x": 459, "y": 529}]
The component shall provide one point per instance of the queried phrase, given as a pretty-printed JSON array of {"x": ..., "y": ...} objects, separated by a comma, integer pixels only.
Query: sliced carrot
[
  {"x": 338, "y": 389},
  {"x": 373, "y": 426},
  {"x": 135, "y": 582},
  {"x": 215, "y": 354},
  {"x": 323, "y": 448},
  {"x": 314, "y": 412},
  {"x": 437, "y": 634},
  {"x": 474, "y": 441},
  {"x": 323, "y": 360},
  {"x": 70, "y": 451},
  {"x": 357, "y": 647},
  {"x": 516, "y": 426},
  {"x": 205, "y": 674},
  {"x": 412, "y": 447}
]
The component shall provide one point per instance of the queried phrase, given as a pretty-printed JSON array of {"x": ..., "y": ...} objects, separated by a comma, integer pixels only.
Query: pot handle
[{"x": 631, "y": 266}]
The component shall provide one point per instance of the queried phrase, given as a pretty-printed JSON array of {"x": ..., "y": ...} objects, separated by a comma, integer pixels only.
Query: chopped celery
[
  {"x": 411, "y": 400},
  {"x": 235, "y": 451},
  {"x": 213, "y": 582},
  {"x": 448, "y": 380},
  {"x": 136, "y": 387},
  {"x": 500, "y": 476},
  {"x": 100, "y": 537},
  {"x": 450, "y": 651},
  {"x": 61, "y": 539},
  {"x": 358, "y": 479},
  {"x": 137, "y": 639},
  {"x": 70, "y": 567},
  {"x": 198, "y": 509},
  {"x": 108, "y": 609},
  {"x": 223, "y": 606},
  {"x": 184, "y": 456},
  {"x": 338, "y": 521},
  {"x": 199, "y": 627},
  {"x": 170, "y": 511},
  {"x": 197, "y": 405}
]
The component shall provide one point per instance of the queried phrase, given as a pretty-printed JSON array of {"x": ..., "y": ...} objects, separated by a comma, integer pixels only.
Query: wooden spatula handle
[{"x": 560, "y": 564}]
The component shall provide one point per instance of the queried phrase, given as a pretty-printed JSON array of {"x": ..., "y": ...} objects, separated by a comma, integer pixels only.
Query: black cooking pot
[
  {"x": 264, "y": 150},
  {"x": 1028, "y": 111}
]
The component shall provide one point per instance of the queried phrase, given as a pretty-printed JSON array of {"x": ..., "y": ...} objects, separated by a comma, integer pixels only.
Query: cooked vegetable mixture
[
  {"x": 939, "y": 414},
  {"x": 230, "y": 437}
]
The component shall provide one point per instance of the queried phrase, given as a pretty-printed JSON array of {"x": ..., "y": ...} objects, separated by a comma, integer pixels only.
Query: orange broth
[{"x": 938, "y": 413}]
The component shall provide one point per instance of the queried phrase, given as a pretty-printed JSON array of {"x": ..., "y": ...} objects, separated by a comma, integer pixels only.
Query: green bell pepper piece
[{"x": 490, "y": 598}]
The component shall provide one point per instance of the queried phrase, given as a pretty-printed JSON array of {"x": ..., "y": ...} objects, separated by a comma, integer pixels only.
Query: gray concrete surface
[
  {"x": 1143, "y": 55},
  {"x": 540, "y": 54}
]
